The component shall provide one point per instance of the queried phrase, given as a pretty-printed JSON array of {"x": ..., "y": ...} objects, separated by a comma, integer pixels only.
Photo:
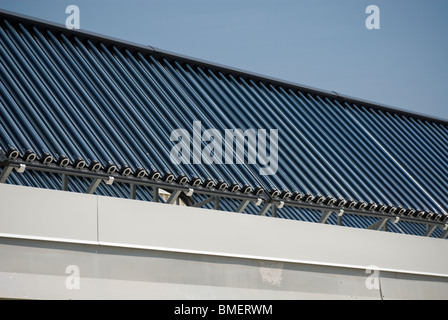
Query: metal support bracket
[
  {"x": 174, "y": 195},
  {"x": 5, "y": 174},
  {"x": 429, "y": 230},
  {"x": 243, "y": 205},
  {"x": 276, "y": 207},
  {"x": 379, "y": 224},
  {"x": 21, "y": 168},
  {"x": 95, "y": 183},
  {"x": 7, "y": 171},
  {"x": 274, "y": 211},
  {"x": 216, "y": 206},
  {"x": 133, "y": 191},
  {"x": 64, "y": 182},
  {"x": 189, "y": 193},
  {"x": 445, "y": 233},
  {"x": 242, "y": 200},
  {"x": 339, "y": 218},
  {"x": 155, "y": 192},
  {"x": 265, "y": 209},
  {"x": 200, "y": 204},
  {"x": 325, "y": 216}
]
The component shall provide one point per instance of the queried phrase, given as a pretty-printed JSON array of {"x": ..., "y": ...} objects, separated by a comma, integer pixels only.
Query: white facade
[{"x": 62, "y": 245}]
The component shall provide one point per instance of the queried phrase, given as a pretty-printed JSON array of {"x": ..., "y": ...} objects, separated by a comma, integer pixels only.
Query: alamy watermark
[
  {"x": 373, "y": 20},
  {"x": 372, "y": 282},
  {"x": 73, "y": 20},
  {"x": 73, "y": 280},
  {"x": 226, "y": 148}
]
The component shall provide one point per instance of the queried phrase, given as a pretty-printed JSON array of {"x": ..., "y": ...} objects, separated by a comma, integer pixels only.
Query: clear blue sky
[{"x": 318, "y": 43}]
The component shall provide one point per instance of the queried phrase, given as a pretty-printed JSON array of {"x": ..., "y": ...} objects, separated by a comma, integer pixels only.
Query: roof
[{"x": 102, "y": 100}]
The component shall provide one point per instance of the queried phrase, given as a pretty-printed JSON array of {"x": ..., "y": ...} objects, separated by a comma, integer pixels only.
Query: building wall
[{"x": 62, "y": 245}]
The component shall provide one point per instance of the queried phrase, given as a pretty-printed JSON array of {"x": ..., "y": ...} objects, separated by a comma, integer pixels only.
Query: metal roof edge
[
  {"x": 83, "y": 34},
  {"x": 159, "y": 53}
]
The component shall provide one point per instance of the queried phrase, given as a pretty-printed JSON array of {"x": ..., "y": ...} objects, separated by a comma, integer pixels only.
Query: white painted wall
[{"x": 134, "y": 249}]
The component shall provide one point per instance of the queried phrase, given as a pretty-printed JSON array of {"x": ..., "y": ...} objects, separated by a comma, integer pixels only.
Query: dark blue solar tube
[
  {"x": 202, "y": 110},
  {"x": 343, "y": 140},
  {"x": 66, "y": 106},
  {"x": 45, "y": 134},
  {"x": 378, "y": 155},
  {"x": 219, "y": 116},
  {"x": 405, "y": 153},
  {"x": 296, "y": 139},
  {"x": 111, "y": 123},
  {"x": 85, "y": 106},
  {"x": 320, "y": 140},
  {"x": 52, "y": 108},
  {"x": 15, "y": 127}
]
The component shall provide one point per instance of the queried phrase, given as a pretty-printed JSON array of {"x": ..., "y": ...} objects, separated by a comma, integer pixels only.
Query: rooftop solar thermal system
[{"x": 129, "y": 171}]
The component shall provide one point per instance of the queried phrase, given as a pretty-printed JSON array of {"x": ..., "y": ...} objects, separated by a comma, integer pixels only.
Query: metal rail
[{"x": 272, "y": 200}]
